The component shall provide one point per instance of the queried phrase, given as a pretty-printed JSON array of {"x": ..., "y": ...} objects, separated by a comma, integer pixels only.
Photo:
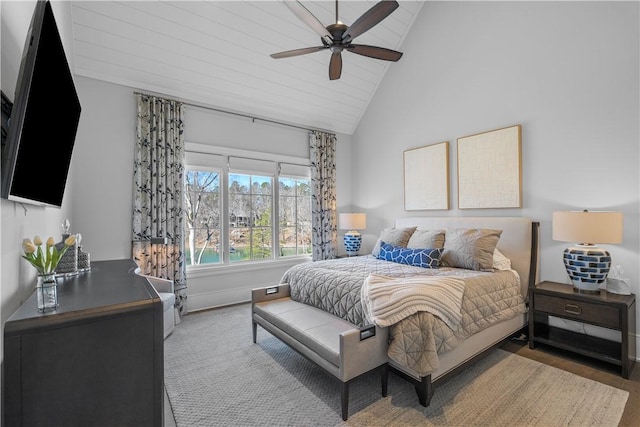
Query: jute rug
[{"x": 216, "y": 376}]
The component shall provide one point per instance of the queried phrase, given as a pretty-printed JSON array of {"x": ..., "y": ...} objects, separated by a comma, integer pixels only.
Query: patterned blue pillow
[{"x": 427, "y": 258}]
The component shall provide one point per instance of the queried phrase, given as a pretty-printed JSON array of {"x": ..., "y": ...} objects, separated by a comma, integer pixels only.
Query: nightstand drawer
[{"x": 603, "y": 315}]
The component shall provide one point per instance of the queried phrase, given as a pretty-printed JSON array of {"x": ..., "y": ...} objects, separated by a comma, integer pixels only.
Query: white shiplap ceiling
[{"x": 216, "y": 53}]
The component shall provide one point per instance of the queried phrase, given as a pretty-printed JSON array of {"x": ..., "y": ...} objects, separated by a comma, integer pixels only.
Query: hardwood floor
[{"x": 588, "y": 368}]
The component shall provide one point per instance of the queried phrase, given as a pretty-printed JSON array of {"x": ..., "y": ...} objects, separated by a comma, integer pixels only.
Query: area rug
[{"x": 216, "y": 376}]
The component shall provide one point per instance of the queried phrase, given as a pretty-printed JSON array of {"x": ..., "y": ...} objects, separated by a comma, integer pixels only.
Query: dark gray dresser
[{"x": 97, "y": 360}]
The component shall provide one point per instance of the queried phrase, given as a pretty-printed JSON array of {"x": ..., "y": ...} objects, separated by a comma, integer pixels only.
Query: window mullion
[{"x": 225, "y": 250}]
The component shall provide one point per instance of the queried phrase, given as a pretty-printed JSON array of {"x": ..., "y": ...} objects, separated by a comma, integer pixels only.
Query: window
[
  {"x": 202, "y": 216},
  {"x": 295, "y": 216},
  {"x": 235, "y": 207},
  {"x": 250, "y": 213}
]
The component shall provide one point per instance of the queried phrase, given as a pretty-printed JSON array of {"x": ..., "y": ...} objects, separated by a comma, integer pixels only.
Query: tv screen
[{"x": 44, "y": 119}]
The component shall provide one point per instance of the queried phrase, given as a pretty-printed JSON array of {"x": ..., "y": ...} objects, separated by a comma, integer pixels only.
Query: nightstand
[{"x": 612, "y": 311}]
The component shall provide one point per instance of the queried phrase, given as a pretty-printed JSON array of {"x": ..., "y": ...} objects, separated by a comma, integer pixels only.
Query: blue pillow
[{"x": 427, "y": 258}]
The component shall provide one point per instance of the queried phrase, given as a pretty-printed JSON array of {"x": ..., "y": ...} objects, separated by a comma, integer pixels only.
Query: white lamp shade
[
  {"x": 353, "y": 221},
  {"x": 588, "y": 227}
]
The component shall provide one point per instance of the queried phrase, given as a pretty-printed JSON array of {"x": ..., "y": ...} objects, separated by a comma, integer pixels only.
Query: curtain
[
  {"x": 158, "y": 193},
  {"x": 324, "y": 223}
]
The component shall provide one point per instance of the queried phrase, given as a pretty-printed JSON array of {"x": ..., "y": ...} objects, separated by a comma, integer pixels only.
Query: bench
[{"x": 339, "y": 347}]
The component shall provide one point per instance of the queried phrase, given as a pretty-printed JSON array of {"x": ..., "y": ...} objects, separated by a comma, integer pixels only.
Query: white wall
[
  {"x": 102, "y": 172},
  {"x": 566, "y": 71}
]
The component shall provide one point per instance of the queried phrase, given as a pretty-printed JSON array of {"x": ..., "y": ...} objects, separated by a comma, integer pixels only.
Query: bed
[{"x": 476, "y": 295}]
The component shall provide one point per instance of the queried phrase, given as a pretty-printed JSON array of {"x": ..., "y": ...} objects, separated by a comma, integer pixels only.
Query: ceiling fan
[{"x": 338, "y": 37}]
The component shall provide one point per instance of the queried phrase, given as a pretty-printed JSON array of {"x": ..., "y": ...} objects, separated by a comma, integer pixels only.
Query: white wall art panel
[
  {"x": 426, "y": 177},
  {"x": 490, "y": 169}
]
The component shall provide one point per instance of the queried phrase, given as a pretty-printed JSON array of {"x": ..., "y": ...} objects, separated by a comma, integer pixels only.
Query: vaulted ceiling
[{"x": 216, "y": 53}]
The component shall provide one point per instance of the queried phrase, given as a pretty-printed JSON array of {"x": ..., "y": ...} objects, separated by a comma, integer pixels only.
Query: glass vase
[{"x": 46, "y": 292}]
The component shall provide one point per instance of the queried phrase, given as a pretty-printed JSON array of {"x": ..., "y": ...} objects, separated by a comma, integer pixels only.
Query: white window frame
[{"x": 200, "y": 155}]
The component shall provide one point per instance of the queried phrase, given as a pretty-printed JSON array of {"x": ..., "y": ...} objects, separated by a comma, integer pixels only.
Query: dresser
[{"x": 97, "y": 360}]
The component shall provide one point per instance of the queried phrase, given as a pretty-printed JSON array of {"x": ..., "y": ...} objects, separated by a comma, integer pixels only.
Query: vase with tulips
[{"x": 45, "y": 260}]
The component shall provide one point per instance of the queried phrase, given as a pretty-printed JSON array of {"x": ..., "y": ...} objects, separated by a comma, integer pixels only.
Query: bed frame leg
[
  {"x": 385, "y": 378},
  {"x": 424, "y": 389}
]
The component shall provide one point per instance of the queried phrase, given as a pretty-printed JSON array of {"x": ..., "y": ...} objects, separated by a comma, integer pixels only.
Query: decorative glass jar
[{"x": 46, "y": 292}]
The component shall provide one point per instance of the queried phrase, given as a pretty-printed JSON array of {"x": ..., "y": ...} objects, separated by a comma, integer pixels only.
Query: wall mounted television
[{"x": 36, "y": 153}]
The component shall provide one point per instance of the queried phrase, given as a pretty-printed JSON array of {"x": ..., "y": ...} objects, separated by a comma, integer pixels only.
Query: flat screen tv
[{"x": 36, "y": 153}]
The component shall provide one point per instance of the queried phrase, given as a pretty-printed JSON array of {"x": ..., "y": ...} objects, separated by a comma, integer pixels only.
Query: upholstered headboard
[{"x": 518, "y": 241}]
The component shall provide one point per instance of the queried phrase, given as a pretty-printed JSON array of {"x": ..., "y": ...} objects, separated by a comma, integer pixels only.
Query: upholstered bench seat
[{"x": 339, "y": 347}]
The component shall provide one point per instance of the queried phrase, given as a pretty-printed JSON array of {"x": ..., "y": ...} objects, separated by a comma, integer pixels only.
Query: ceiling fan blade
[
  {"x": 369, "y": 19},
  {"x": 308, "y": 18},
  {"x": 296, "y": 52},
  {"x": 375, "y": 52},
  {"x": 335, "y": 66}
]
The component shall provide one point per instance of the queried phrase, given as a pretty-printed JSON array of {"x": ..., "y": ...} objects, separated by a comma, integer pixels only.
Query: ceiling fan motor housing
[{"x": 337, "y": 30}]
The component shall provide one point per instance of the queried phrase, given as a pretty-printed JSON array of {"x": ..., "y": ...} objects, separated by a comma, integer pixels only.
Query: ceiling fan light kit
[{"x": 338, "y": 37}]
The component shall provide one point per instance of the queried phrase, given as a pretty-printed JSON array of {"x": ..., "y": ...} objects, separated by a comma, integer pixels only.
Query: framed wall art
[
  {"x": 426, "y": 177},
  {"x": 490, "y": 169}
]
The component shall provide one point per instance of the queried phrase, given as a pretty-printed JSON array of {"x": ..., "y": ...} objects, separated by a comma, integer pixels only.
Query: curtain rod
[
  {"x": 247, "y": 116},
  {"x": 263, "y": 160}
]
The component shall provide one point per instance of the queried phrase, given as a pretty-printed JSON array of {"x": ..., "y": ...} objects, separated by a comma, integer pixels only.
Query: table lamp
[
  {"x": 587, "y": 265},
  {"x": 352, "y": 239}
]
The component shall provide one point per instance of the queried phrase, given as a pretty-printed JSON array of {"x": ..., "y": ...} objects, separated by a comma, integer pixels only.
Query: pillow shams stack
[
  {"x": 410, "y": 245},
  {"x": 470, "y": 248}
]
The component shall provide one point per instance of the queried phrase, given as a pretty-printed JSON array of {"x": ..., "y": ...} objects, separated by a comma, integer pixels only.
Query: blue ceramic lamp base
[
  {"x": 587, "y": 266},
  {"x": 352, "y": 241}
]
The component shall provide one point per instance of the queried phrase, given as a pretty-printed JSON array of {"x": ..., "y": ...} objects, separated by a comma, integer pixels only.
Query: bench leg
[
  {"x": 384, "y": 373},
  {"x": 345, "y": 401},
  {"x": 255, "y": 330}
]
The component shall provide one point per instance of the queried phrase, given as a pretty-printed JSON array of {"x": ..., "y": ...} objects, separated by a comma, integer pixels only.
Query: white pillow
[{"x": 500, "y": 262}]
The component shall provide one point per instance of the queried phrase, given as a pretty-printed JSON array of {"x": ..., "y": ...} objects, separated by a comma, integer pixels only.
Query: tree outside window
[
  {"x": 250, "y": 213},
  {"x": 203, "y": 220},
  {"x": 295, "y": 216}
]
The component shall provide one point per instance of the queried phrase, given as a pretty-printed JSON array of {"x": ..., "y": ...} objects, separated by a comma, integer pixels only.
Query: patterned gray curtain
[
  {"x": 324, "y": 222},
  {"x": 157, "y": 192}
]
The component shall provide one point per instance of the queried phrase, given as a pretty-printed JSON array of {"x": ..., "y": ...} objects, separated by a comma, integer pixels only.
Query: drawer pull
[{"x": 573, "y": 308}]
